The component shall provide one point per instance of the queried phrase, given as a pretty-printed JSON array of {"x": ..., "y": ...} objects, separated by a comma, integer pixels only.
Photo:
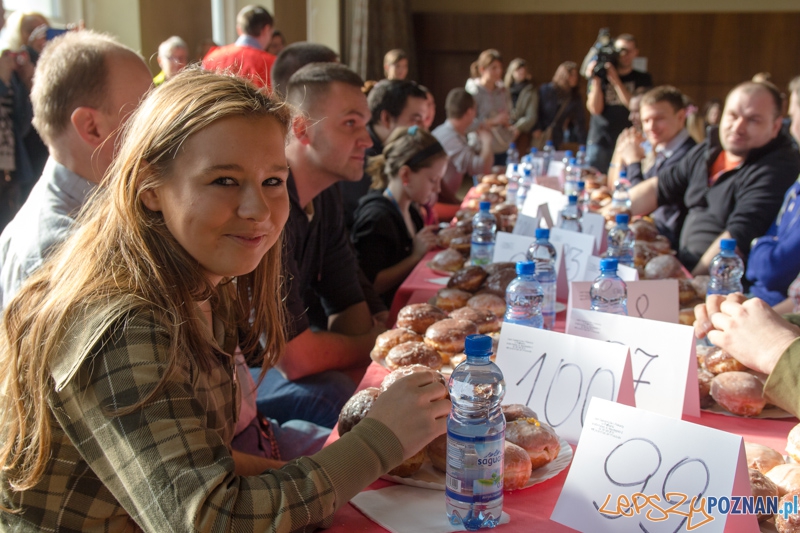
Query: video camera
[{"x": 603, "y": 51}]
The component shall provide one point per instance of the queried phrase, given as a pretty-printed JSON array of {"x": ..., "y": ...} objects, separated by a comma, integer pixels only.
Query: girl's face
[
  {"x": 520, "y": 74},
  {"x": 493, "y": 72},
  {"x": 224, "y": 199},
  {"x": 425, "y": 184},
  {"x": 573, "y": 78}
]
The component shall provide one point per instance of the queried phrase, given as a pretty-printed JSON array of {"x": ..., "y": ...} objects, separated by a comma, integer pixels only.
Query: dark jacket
[
  {"x": 549, "y": 103},
  {"x": 380, "y": 236},
  {"x": 744, "y": 201}
]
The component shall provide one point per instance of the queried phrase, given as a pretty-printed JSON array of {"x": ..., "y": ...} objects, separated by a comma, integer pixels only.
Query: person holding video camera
[{"x": 612, "y": 81}]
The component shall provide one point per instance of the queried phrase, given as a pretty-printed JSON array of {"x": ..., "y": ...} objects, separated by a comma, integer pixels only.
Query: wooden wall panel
[
  {"x": 188, "y": 19},
  {"x": 703, "y": 54}
]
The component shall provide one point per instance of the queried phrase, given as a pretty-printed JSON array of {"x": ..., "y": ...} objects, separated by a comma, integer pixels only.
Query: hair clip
[{"x": 413, "y": 130}]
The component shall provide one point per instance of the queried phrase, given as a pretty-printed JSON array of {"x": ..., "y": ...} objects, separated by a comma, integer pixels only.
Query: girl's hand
[{"x": 424, "y": 240}]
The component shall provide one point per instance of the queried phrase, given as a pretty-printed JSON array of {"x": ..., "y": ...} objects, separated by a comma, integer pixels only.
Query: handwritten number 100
[{"x": 566, "y": 369}]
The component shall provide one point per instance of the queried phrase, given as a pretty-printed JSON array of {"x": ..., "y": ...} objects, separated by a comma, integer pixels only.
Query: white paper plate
[
  {"x": 428, "y": 477},
  {"x": 769, "y": 412}
]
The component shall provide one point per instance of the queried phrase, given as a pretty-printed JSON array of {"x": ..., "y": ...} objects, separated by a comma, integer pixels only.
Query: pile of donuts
[
  {"x": 771, "y": 475},
  {"x": 724, "y": 381},
  {"x": 530, "y": 444},
  {"x": 456, "y": 239},
  {"x": 433, "y": 334}
]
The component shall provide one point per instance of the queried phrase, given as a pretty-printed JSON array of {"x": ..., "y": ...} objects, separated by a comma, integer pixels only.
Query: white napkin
[
  {"x": 438, "y": 281},
  {"x": 404, "y": 509}
]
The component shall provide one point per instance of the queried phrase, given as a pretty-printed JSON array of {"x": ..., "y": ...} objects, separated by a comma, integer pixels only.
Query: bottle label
[
  {"x": 481, "y": 253},
  {"x": 475, "y": 467}
]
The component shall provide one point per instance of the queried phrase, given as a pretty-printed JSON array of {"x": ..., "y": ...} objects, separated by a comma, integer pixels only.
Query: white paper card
[
  {"x": 556, "y": 168},
  {"x": 594, "y": 224},
  {"x": 662, "y": 356},
  {"x": 654, "y": 299},
  {"x": 510, "y": 247},
  {"x": 626, "y": 451},
  {"x": 574, "y": 249},
  {"x": 526, "y": 225},
  {"x": 538, "y": 195},
  {"x": 556, "y": 374},
  {"x": 625, "y": 272}
]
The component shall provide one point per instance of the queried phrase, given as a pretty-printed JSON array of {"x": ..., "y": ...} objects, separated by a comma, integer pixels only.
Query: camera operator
[{"x": 609, "y": 95}]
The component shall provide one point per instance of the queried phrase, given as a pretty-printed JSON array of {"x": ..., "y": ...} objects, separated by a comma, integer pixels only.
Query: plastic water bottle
[
  {"x": 566, "y": 160},
  {"x": 475, "y": 439},
  {"x": 543, "y": 253},
  {"x": 583, "y": 196},
  {"x": 524, "y": 297},
  {"x": 547, "y": 156},
  {"x": 571, "y": 215},
  {"x": 609, "y": 293},
  {"x": 726, "y": 269},
  {"x": 621, "y": 198},
  {"x": 513, "y": 183},
  {"x": 512, "y": 154},
  {"x": 484, "y": 226},
  {"x": 620, "y": 241},
  {"x": 525, "y": 182},
  {"x": 580, "y": 157},
  {"x": 572, "y": 175}
]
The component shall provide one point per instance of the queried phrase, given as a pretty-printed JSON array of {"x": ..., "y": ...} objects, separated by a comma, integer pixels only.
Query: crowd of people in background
[{"x": 226, "y": 239}]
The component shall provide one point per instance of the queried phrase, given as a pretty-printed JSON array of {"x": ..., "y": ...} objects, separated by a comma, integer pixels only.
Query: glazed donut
[
  {"x": 497, "y": 283},
  {"x": 686, "y": 292},
  {"x": 389, "y": 339},
  {"x": 739, "y": 392},
  {"x": 516, "y": 467},
  {"x": 536, "y": 438},
  {"x": 465, "y": 226},
  {"x": 448, "y": 335},
  {"x": 410, "y": 465},
  {"x": 468, "y": 279},
  {"x": 514, "y": 411},
  {"x": 486, "y": 321},
  {"x": 465, "y": 214},
  {"x": 437, "y": 452},
  {"x": 793, "y": 443},
  {"x": 448, "y": 260},
  {"x": 718, "y": 361},
  {"x": 356, "y": 409},
  {"x": 703, "y": 352},
  {"x": 404, "y": 371},
  {"x": 483, "y": 187},
  {"x": 451, "y": 299},
  {"x": 457, "y": 359},
  {"x": 686, "y": 316},
  {"x": 704, "y": 379},
  {"x": 643, "y": 230},
  {"x": 494, "y": 268},
  {"x": 418, "y": 317},
  {"x": 413, "y": 353},
  {"x": 461, "y": 244},
  {"x": 447, "y": 234},
  {"x": 790, "y": 524},
  {"x": 762, "y": 458},
  {"x": 762, "y": 486},
  {"x": 664, "y": 267},
  {"x": 786, "y": 477},
  {"x": 490, "y": 302}
]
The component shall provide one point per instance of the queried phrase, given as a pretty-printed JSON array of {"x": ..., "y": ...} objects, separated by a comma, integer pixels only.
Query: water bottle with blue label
[
  {"x": 484, "y": 227},
  {"x": 475, "y": 439},
  {"x": 524, "y": 296},
  {"x": 525, "y": 182},
  {"x": 726, "y": 270},
  {"x": 620, "y": 241},
  {"x": 609, "y": 294},
  {"x": 571, "y": 215},
  {"x": 543, "y": 253}
]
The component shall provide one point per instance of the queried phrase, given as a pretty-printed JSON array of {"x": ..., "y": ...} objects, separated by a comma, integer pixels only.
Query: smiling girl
[{"x": 119, "y": 396}]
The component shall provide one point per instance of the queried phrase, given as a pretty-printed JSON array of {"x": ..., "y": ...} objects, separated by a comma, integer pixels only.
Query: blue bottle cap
[
  {"x": 478, "y": 345},
  {"x": 542, "y": 233},
  {"x": 485, "y": 206},
  {"x": 623, "y": 173},
  {"x": 534, "y": 150},
  {"x": 573, "y": 161},
  {"x": 573, "y": 199},
  {"x": 727, "y": 245},
  {"x": 568, "y": 154},
  {"x": 608, "y": 264},
  {"x": 513, "y": 145},
  {"x": 622, "y": 218},
  {"x": 526, "y": 268},
  {"x": 581, "y": 185},
  {"x": 515, "y": 167},
  {"x": 549, "y": 143},
  {"x": 582, "y": 148},
  {"x": 527, "y": 171}
]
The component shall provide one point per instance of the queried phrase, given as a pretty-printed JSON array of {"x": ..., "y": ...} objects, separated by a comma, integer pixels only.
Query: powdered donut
[
  {"x": 356, "y": 409},
  {"x": 739, "y": 392},
  {"x": 491, "y": 302},
  {"x": 404, "y": 371},
  {"x": 719, "y": 361},
  {"x": 516, "y": 467},
  {"x": 486, "y": 321},
  {"x": 790, "y": 524},
  {"x": 704, "y": 379},
  {"x": 418, "y": 317},
  {"x": 786, "y": 477},
  {"x": 514, "y": 411},
  {"x": 451, "y": 299},
  {"x": 762, "y": 458},
  {"x": 536, "y": 438},
  {"x": 413, "y": 353},
  {"x": 761, "y": 486},
  {"x": 449, "y": 335},
  {"x": 448, "y": 260}
]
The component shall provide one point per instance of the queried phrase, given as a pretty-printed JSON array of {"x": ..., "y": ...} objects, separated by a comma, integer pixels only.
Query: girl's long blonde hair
[{"x": 123, "y": 252}]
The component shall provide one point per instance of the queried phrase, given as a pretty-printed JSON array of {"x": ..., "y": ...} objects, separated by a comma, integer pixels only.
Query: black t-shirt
[
  {"x": 606, "y": 127},
  {"x": 381, "y": 237}
]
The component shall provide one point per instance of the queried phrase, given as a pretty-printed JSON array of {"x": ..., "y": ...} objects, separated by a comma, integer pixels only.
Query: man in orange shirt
[
  {"x": 247, "y": 57},
  {"x": 732, "y": 185}
]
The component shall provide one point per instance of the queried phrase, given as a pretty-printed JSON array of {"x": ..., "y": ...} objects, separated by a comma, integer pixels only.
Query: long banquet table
[{"x": 530, "y": 509}]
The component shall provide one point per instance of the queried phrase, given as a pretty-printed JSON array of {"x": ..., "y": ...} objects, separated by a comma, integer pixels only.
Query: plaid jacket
[{"x": 166, "y": 466}]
